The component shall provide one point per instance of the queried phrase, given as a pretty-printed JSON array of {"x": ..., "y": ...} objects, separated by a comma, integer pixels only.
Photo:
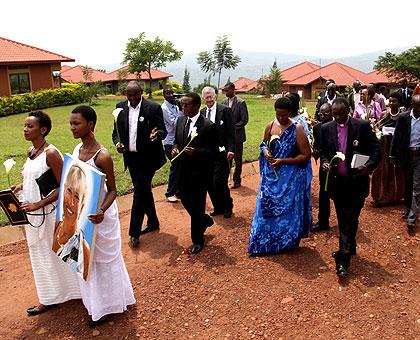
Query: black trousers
[
  {"x": 218, "y": 187},
  {"x": 143, "y": 201},
  {"x": 348, "y": 203},
  {"x": 239, "y": 149},
  {"x": 323, "y": 201},
  {"x": 193, "y": 197}
]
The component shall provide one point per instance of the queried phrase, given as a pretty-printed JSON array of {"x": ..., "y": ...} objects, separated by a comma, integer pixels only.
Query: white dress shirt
[
  {"x": 212, "y": 113},
  {"x": 133, "y": 118}
]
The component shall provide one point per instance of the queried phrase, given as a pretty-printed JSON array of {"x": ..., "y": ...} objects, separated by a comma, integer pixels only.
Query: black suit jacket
[
  {"x": 206, "y": 145},
  {"x": 361, "y": 140},
  {"x": 400, "y": 145},
  {"x": 224, "y": 125},
  {"x": 406, "y": 100},
  {"x": 150, "y": 154},
  {"x": 240, "y": 117}
]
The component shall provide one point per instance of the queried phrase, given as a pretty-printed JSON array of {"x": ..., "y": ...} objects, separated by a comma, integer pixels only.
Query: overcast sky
[{"x": 95, "y": 32}]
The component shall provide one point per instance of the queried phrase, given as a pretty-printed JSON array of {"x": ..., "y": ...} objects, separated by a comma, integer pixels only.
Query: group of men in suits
[{"x": 200, "y": 144}]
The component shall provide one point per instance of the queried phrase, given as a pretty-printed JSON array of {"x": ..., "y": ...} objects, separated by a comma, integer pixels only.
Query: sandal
[{"x": 35, "y": 310}]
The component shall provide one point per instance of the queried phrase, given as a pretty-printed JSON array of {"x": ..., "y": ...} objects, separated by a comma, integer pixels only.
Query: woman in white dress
[
  {"x": 108, "y": 288},
  {"x": 55, "y": 283}
]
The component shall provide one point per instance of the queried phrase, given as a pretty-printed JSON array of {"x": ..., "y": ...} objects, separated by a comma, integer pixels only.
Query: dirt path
[{"x": 222, "y": 293}]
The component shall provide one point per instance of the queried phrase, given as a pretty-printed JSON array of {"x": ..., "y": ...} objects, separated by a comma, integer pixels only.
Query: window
[{"x": 19, "y": 83}]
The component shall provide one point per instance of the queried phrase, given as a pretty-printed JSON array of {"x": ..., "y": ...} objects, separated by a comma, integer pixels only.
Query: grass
[{"x": 13, "y": 144}]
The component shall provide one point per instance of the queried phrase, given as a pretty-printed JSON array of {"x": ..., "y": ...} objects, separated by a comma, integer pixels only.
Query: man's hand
[
  {"x": 230, "y": 155},
  {"x": 153, "y": 134},
  {"x": 120, "y": 147},
  {"x": 363, "y": 171},
  {"x": 189, "y": 150},
  {"x": 174, "y": 152},
  {"x": 326, "y": 167}
]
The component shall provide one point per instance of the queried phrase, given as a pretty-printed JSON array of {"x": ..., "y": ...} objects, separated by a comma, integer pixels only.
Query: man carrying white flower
[
  {"x": 196, "y": 143},
  {"x": 345, "y": 136}
]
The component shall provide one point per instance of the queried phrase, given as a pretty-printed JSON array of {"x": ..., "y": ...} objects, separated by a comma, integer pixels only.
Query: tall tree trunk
[
  {"x": 218, "y": 80},
  {"x": 150, "y": 82}
]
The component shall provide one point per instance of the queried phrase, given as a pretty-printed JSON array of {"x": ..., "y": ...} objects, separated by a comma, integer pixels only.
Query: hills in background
[{"x": 256, "y": 64}]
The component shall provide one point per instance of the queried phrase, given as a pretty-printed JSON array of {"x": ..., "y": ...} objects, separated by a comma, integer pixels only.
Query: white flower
[
  {"x": 141, "y": 119},
  {"x": 222, "y": 148},
  {"x": 8, "y": 165},
  {"x": 221, "y": 122},
  {"x": 193, "y": 133},
  {"x": 340, "y": 155},
  {"x": 116, "y": 112},
  {"x": 273, "y": 138},
  {"x": 363, "y": 116}
]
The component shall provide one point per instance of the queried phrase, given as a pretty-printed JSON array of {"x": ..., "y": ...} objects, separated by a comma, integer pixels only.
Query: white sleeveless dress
[
  {"x": 108, "y": 288},
  {"x": 55, "y": 283}
]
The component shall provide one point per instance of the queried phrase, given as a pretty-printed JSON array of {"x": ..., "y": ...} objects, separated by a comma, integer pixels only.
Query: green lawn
[{"x": 13, "y": 144}]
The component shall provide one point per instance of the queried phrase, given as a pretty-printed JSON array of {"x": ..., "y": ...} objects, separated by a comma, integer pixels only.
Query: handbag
[{"x": 47, "y": 183}]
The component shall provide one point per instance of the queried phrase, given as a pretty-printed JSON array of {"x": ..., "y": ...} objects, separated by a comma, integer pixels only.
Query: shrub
[
  {"x": 176, "y": 87},
  {"x": 66, "y": 95}
]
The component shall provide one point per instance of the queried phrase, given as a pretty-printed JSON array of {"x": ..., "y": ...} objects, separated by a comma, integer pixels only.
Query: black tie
[
  {"x": 208, "y": 113},
  {"x": 187, "y": 130}
]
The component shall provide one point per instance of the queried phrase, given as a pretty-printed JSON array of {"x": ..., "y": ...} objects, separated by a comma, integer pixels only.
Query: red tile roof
[
  {"x": 244, "y": 84},
  {"x": 343, "y": 75},
  {"x": 75, "y": 75},
  {"x": 156, "y": 74},
  {"x": 65, "y": 67},
  {"x": 298, "y": 70},
  {"x": 12, "y": 52},
  {"x": 376, "y": 77}
]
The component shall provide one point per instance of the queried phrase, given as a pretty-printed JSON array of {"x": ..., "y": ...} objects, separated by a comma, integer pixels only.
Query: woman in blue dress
[{"x": 283, "y": 211}]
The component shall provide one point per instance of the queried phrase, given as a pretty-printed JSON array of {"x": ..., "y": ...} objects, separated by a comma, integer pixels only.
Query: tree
[
  {"x": 272, "y": 83},
  {"x": 406, "y": 64},
  {"x": 220, "y": 58},
  {"x": 142, "y": 55},
  {"x": 186, "y": 87},
  {"x": 87, "y": 73}
]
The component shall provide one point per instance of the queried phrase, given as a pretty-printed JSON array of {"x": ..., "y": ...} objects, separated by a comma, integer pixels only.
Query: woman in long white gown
[
  {"x": 108, "y": 288},
  {"x": 55, "y": 283}
]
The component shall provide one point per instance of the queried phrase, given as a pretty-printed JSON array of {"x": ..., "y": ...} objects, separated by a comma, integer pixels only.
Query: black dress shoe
[
  {"x": 134, "y": 241},
  {"x": 148, "y": 229},
  {"x": 341, "y": 271},
  {"x": 216, "y": 213},
  {"x": 196, "y": 248},
  {"x": 208, "y": 222},
  {"x": 236, "y": 185},
  {"x": 35, "y": 310},
  {"x": 319, "y": 227},
  {"x": 228, "y": 213}
]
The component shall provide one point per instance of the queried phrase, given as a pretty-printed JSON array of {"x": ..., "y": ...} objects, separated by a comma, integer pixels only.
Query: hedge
[{"x": 66, "y": 95}]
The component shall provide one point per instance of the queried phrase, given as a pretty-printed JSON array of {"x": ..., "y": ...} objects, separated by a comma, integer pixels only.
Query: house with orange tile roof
[
  {"x": 244, "y": 85},
  {"x": 25, "y": 68}
]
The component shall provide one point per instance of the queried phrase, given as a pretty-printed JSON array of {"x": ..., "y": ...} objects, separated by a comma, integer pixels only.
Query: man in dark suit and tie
[
  {"x": 240, "y": 119},
  {"x": 325, "y": 116},
  {"x": 138, "y": 134},
  {"x": 198, "y": 137},
  {"x": 405, "y": 152},
  {"x": 406, "y": 92},
  {"x": 321, "y": 98},
  {"x": 348, "y": 186},
  {"x": 329, "y": 97},
  {"x": 221, "y": 116}
]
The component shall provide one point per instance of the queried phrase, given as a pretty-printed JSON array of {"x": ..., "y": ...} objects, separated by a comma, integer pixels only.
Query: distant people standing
[
  {"x": 367, "y": 108},
  {"x": 240, "y": 119},
  {"x": 405, "y": 151},
  {"x": 406, "y": 92},
  {"x": 354, "y": 96},
  {"x": 380, "y": 99},
  {"x": 221, "y": 116},
  {"x": 325, "y": 116},
  {"x": 171, "y": 112},
  {"x": 322, "y": 94}
]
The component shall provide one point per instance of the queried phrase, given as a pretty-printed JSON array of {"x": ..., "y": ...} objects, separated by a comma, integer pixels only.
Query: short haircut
[
  {"x": 208, "y": 89},
  {"x": 342, "y": 101},
  {"x": 295, "y": 99},
  {"x": 283, "y": 103},
  {"x": 230, "y": 85},
  {"x": 87, "y": 113},
  {"x": 331, "y": 80},
  {"x": 196, "y": 100},
  {"x": 397, "y": 96},
  {"x": 134, "y": 84},
  {"x": 43, "y": 119},
  {"x": 168, "y": 88},
  {"x": 326, "y": 105}
]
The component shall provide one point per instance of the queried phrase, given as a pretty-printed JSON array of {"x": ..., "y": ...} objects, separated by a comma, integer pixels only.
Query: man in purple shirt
[{"x": 348, "y": 186}]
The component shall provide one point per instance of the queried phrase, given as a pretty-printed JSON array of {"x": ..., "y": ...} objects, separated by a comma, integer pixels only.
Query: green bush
[
  {"x": 176, "y": 87},
  {"x": 66, "y": 95}
]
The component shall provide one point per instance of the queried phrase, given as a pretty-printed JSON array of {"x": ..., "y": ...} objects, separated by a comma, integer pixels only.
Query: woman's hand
[
  {"x": 276, "y": 162},
  {"x": 16, "y": 188},
  {"x": 97, "y": 218},
  {"x": 28, "y": 207},
  {"x": 267, "y": 156}
]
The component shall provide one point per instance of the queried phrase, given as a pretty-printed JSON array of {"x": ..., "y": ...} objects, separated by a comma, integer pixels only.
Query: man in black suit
[
  {"x": 138, "y": 135},
  {"x": 240, "y": 119},
  {"x": 405, "y": 152},
  {"x": 354, "y": 96},
  {"x": 218, "y": 189},
  {"x": 195, "y": 164},
  {"x": 406, "y": 92},
  {"x": 348, "y": 186},
  {"x": 329, "y": 97},
  {"x": 321, "y": 97},
  {"x": 325, "y": 116}
]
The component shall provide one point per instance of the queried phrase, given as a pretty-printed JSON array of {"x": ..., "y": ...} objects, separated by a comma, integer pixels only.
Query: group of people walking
[{"x": 202, "y": 144}]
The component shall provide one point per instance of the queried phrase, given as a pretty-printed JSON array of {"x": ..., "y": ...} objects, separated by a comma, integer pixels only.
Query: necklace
[
  {"x": 87, "y": 150},
  {"x": 394, "y": 114},
  {"x": 32, "y": 154}
]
